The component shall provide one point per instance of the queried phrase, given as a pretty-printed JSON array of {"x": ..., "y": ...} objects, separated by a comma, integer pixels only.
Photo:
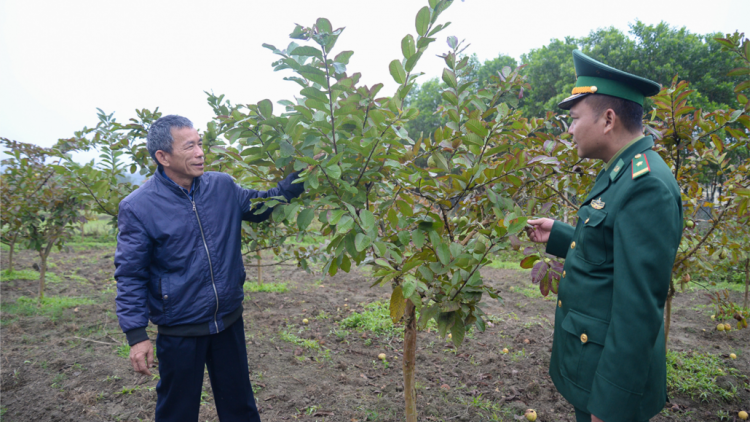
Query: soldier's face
[{"x": 587, "y": 129}]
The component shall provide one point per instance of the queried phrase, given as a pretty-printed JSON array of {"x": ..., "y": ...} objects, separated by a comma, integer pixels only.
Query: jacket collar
[
  {"x": 174, "y": 187},
  {"x": 617, "y": 169}
]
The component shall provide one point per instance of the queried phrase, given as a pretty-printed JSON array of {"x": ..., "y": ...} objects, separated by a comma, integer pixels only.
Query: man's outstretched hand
[
  {"x": 142, "y": 357},
  {"x": 540, "y": 229}
]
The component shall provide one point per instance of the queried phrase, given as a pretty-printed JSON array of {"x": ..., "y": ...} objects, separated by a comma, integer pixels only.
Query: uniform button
[
  {"x": 564, "y": 273},
  {"x": 573, "y": 245},
  {"x": 584, "y": 338},
  {"x": 166, "y": 297},
  {"x": 559, "y": 303},
  {"x": 587, "y": 220},
  {"x": 637, "y": 155}
]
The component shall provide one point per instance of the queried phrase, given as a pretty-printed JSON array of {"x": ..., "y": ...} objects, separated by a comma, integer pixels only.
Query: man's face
[
  {"x": 587, "y": 129},
  {"x": 186, "y": 159}
]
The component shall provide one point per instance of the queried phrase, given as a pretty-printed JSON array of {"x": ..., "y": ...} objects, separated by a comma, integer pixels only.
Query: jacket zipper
[{"x": 210, "y": 267}]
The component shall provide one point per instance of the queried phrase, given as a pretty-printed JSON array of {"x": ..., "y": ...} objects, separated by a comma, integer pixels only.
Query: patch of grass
[
  {"x": 376, "y": 318},
  {"x": 123, "y": 351},
  {"x": 294, "y": 339},
  {"x": 86, "y": 244},
  {"x": 694, "y": 374},
  {"x": 51, "y": 306},
  {"x": 487, "y": 408},
  {"x": 254, "y": 287},
  {"x": 507, "y": 265},
  {"x": 532, "y": 292},
  {"x": 19, "y": 275}
]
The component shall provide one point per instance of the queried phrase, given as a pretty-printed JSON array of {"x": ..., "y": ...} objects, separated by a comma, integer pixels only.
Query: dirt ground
[{"x": 71, "y": 366}]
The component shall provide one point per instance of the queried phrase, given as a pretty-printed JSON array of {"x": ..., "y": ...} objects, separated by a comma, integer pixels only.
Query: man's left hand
[{"x": 595, "y": 419}]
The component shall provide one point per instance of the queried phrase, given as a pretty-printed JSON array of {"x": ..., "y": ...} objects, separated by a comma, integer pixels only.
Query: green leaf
[
  {"x": 529, "y": 261},
  {"x": 361, "y": 242},
  {"x": 443, "y": 253},
  {"x": 345, "y": 224},
  {"x": 405, "y": 208},
  {"x": 408, "y": 46},
  {"x": 368, "y": 219},
  {"x": 335, "y": 217},
  {"x": 444, "y": 321},
  {"x": 324, "y": 25},
  {"x": 417, "y": 236},
  {"x": 426, "y": 315},
  {"x": 517, "y": 225},
  {"x": 457, "y": 331},
  {"x": 333, "y": 171},
  {"x": 408, "y": 287},
  {"x": 307, "y": 51},
  {"x": 423, "y": 20},
  {"x": 398, "y": 304},
  {"x": 397, "y": 71},
  {"x": 477, "y": 127},
  {"x": 305, "y": 217},
  {"x": 266, "y": 108},
  {"x": 449, "y": 78}
]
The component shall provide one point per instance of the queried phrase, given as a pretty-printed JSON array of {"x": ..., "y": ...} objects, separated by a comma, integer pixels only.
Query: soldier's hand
[
  {"x": 595, "y": 419},
  {"x": 540, "y": 229},
  {"x": 142, "y": 357}
]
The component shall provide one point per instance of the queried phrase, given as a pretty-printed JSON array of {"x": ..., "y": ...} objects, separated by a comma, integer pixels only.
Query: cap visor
[{"x": 567, "y": 103}]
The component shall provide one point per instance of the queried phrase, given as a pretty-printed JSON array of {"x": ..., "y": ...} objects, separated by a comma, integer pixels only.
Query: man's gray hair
[{"x": 160, "y": 134}]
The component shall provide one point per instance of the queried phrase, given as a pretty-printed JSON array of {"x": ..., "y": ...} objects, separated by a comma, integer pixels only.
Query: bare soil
[{"x": 67, "y": 368}]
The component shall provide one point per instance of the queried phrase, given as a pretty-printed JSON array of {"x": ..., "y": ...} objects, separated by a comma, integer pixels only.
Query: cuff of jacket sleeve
[
  {"x": 612, "y": 403},
  {"x": 136, "y": 336},
  {"x": 559, "y": 239}
]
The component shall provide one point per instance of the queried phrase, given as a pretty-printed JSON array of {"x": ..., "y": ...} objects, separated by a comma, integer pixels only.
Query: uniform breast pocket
[
  {"x": 583, "y": 343},
  {"x": 592, "y": 245}
]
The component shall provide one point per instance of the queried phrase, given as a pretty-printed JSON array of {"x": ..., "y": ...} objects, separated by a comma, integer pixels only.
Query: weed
[
  {"x": 27, "y": 275},
  {"x": 128, "y": 391},
  {"x": 205, "y": 397},
  {"x": 504, "y": 265},
  {"x": 376, "y": 318},
  {"x": 112, "y": 378},
  {"x": 292, "y": 338},
  {"x": 57, "y": 381},
  {"x": 322, "y": 315},
  {"x": 123, "y": 351},
  {"x": 254, "y": 287},
  {"x": 694, "y": 374}
]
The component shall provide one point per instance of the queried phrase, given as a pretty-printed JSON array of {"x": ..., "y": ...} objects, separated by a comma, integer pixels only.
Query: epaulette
[{"x": 640, "y": 166}]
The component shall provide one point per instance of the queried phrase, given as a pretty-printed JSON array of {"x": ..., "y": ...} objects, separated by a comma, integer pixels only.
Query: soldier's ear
[{"x": 609, "y": 117}]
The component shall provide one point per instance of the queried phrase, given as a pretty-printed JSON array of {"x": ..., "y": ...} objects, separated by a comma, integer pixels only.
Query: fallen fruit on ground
[
  {"x": 381, "y": 356},
  {"x": 727, "y": 327},
  {"x": 742, "y": 415},
  {"x": 530, "y": 415},
  {"x": 305, "y": 321},
  {"x": 732, "y": 356},
  {"x": 505, "y": 350},
  {"x": 720, "y": 327}
]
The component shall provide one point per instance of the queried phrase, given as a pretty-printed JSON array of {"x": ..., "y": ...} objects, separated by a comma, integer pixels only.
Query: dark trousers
[
  {"x": 582, "y": 416},
  {"x": 181, "y": 365}
]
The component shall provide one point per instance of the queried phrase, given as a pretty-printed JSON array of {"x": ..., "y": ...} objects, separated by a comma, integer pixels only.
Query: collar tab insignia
[{"x": 616, "y": 169}]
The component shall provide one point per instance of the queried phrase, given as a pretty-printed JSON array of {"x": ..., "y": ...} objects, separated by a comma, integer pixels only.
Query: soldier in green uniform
[{"x": 608, "y": 353}]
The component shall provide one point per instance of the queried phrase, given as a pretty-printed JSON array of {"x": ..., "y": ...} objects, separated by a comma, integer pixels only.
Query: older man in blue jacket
[{"x": 179, "y": 263}]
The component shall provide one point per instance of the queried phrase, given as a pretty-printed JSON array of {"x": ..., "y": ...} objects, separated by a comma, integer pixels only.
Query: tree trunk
[
  {"x": 260, "y": 270},
  {"x": 10, "y": 254},
  {"x": 410, "y": 361},
  {"x": 42, "y": 273},
  {"x": 747, "y": 281},
  {"x": 668, "y": 314}
]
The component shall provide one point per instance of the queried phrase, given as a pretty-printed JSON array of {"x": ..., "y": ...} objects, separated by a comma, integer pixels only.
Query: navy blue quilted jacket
[{"x": 178, "y": 260}]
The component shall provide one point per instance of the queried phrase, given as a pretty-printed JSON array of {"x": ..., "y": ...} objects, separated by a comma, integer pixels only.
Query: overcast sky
[{"x": 60, "y": 60}]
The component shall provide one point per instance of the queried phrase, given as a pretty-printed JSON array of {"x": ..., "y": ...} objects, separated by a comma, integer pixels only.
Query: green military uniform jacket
[{"x": 608, "y": 354}]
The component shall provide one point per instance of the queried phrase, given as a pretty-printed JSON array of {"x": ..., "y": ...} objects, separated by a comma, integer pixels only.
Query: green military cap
[{"x": 594, "y": 77}]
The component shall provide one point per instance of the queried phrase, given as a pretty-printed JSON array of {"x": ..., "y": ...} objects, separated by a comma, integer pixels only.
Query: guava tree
[
  {"x": 23, "y": 176},
  {"x": 372, "y": 201},
  {"x": 103, "y": 183},
  {"x": 46, "y": 203}
]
